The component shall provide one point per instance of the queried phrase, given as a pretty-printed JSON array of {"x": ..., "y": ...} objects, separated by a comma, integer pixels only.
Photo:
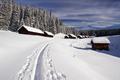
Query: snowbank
[{"x": 60, "y": 36}]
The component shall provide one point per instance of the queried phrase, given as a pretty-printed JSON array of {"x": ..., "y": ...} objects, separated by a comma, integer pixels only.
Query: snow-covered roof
[
  {"x": 60, "y": 35},
  {"x": 83, "y": 36},
  {"x": 66, "y": 36},
  {"x": 100, "y": 40},
  {"x": 72, "y": 35},
  {"x": 80, "y": 36},
  {"x": 32, "y": 29},
  {"x": 49, "y": 33}
]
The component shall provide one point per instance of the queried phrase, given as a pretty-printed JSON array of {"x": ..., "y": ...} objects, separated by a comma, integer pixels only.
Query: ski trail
[
  {"x": 51, "y": 73},
  {"x": 27, "y": 72},
  {"x": 39, "y": 66},
  {"x": 45, "y": 69},
  {"x": 36, "y": 74}
]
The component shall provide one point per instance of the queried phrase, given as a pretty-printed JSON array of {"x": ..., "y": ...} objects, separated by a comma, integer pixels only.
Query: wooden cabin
[
  {"x": 72, "y": 36},
  {"x": 30, "y": 31},
  {"x": 100, "y": 43},
  {"x": 48, "y": 34}
]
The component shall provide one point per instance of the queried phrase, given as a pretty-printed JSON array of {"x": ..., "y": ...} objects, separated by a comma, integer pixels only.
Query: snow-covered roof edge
[
  {"x": 80, "y": 36},
  {"x": 72, "y": 35},
  {"x": 49, "y": 33}
]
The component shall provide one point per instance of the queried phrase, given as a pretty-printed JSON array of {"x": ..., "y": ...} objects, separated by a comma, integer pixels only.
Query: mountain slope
[
  {"x": 27, "y": 57},
  {"x": 13, "y": 15},
  {"x": 115, "y": 26}
]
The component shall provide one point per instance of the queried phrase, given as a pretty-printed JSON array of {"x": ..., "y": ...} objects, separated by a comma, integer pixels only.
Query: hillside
[
  {"x": 13, "y": 15},
  {"x": 115, "y": 26},
  {"x": 26, "y": 57}
]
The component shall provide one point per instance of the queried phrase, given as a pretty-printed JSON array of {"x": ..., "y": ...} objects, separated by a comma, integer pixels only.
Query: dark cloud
[
  {"x": 76, "y": 20},
  {"x": 77, "y": 12},
  {"x": 82, "y": 15}
]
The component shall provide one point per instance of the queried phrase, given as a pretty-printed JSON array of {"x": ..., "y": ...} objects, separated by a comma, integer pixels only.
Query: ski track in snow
[
  {"x": 28, "y": 70},
  {"x": 45, "y": 69},
  {"x": 52, "y": 74},
  {"x": 39, "y": 66}
]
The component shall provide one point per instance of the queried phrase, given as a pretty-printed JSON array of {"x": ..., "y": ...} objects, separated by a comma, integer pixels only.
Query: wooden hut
[
  {"x": 29, "y": 30},
  {"x": 100, "y": 43},
  {"x": 72, "y": 36},
  {"x": 48, "y": 34}
]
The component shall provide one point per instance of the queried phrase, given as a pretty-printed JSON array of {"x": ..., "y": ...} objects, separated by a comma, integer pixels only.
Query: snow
[
  {"x": 49, "y": 33},
  {"x": 32, "y": 29},
  {"x": 59, "y": 35},
  {"x": 72, "y": 35},
  {"x": 82, "y": 43},
  {"x": 100, "y": 40},
  {"x": 27, "y": 57},
  {"x": 80, "y": 36},
  {"x": 14, "y": 50},
  {"x": 67, "y": 36},
  {"x": 83, "y": 64}
]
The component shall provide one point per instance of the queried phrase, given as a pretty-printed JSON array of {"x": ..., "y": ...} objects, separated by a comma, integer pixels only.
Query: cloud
[{"x": 81, "y": 12}]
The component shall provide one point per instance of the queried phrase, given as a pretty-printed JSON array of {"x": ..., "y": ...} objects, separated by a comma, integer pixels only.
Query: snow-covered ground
[
  {"x": 26, "y": 57},
  {"x": 14, "y": 50}
]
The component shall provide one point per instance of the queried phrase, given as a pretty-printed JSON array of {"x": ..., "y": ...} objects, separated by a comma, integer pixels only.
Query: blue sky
[{"x": 80, "y": 13}]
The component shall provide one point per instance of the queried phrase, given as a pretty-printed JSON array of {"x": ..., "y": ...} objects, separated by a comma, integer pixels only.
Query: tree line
[{"x": 13, "y": 15}]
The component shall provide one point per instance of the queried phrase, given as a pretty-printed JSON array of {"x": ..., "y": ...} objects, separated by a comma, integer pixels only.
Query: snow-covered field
[
  {"x": 26, "y": 57},
  {"x": 14, "y": 50}
]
